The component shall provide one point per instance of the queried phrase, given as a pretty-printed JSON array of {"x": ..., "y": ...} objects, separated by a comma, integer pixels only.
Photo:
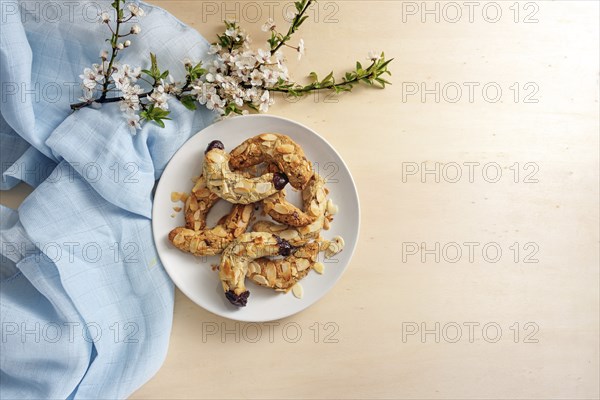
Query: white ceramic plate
[{"x": 194, "y": 276}]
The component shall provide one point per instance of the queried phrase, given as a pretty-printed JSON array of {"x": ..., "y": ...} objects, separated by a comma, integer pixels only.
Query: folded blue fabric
[{"x": 85, "y": 305}]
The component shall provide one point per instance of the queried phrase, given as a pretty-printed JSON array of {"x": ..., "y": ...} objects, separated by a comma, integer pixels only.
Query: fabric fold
[{"x": 85, "y": 300}]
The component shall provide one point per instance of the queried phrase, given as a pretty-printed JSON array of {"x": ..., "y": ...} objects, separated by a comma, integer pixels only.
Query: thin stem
[
  {"x": 115, "y": 51},
  {"x": 104, "y": 101},
  {"x": 291, "y": 30}
]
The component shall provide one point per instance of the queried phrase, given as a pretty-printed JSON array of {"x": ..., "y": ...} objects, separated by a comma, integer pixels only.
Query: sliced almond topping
[
  {"x": 247, "y": 213},
  {"x": 215, "y": 157},
  {"x": 314, "y": 208},
  {"x": 319, "y": 268},
  {"x": 175, "y": 196},
  {"x": 320, "y": 195},
  {"x": 302, "y": 264},
  {"x": 197, "y": 215},
  {"x": 271, "y": 273},
  {"x": 285, "y": 268},
  {"x": 298, "y": 290},
  {"x": 269, "y": 137},
  {"x": 281, "y": 209},
  {"x": 219, "y": 231},
  {"x": 193, "y": 204},
  {"x": 200, "y": 183},
  {"x": 289, "y": 234},
  {"x": 253, "y": 267},
  {"x": 178, "y": 239},
  {"x": 263, "y": 187},
  {"x": 197, "y": 225},
  {"x": 177, "y": 209},
  {"x": 261, "y": 280},
  {"x": 315, "y": 226},
  {"x": 241, "y": 190},
  {"x": 184, "y": 197},
  {"x": 194, "y": 244},
  {"x": 335, "y": 246},
  {"x": 326, "y": 224},
  {"x": 240, "y": 149},
  {"x": 285, "y": 148},
  {"x": 332, "y": 209}
]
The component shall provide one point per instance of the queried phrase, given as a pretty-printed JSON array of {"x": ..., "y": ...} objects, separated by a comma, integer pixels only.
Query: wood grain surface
[{"x": 477, "y": 272}]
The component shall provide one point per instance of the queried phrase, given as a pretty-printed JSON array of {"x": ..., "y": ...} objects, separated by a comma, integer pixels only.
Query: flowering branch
[{"x": 238, "y": 79}]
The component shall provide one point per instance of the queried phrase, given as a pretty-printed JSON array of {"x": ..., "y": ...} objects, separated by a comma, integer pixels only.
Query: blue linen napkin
[{"x": 85, "y": 305}]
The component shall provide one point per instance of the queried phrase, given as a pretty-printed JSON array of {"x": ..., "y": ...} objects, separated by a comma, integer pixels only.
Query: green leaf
[
  {"x": 159, "y": 123},
  {"x": 327, "y": 79},
  {"x": 302, "y": 20},
  {"x": 189, "y": 102}
]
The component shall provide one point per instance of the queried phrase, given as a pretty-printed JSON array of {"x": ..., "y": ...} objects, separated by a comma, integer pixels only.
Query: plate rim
[{"x": 334, "y": 282}]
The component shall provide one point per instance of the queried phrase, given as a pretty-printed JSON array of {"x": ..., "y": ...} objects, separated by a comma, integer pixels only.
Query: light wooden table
[{"x": 413, "y": 318}]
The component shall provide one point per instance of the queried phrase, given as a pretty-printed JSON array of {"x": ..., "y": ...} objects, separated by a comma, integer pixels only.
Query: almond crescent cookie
[
  {"x": 198, "y": 204},
  {"x": 274, "y": 148},
  {"x": 210, "y": 242},
  {"x": 282, "y": 274},
  {"x": 237, "y": 256},
  {"x": 235, "y": 187},
  {"x": 314, "y": 197}
]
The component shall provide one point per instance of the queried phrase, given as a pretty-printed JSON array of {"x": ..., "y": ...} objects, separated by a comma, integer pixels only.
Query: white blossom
[
  {"x": 373, "y": 56},
  {"x": 265, "y": 101},
  {"x": 91, "y": 78},
  {"x": 300, "y": 49},
  {"x": 104, "y": 55},
  {"x": 135, "y": 29},
  {"x": 256, "y": 78},
  {"x": 269, "y": 76},
  {"x": 120, "y": 46},
  {"x": 291, "y": 14},
  {"x": 127, "y": 43},
  {"x": 269, "y": 25},
  {"x": 263, "y": 56},
  {"x": 88, "y": 95},
  {"x": 133, "y": 121},
  {"x": 159, "y": 98},
  {"x": 104, "y": 17},
  {"x": 170, "y": 87},
  {"x": 135, "y": 10},
  {"x": 214, "y": 48}
]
